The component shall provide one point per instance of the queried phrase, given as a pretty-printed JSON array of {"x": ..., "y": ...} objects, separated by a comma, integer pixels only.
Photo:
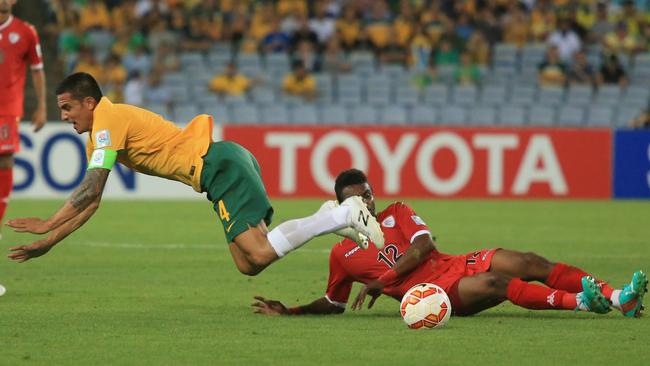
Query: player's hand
[
  {"x": 372, "y": 288},
  {"x": 38, "y": 118},
  {"x": 32, "y": 225},
  {"x": 22, "y": 253},
  {"x": 269, "y": 307}
]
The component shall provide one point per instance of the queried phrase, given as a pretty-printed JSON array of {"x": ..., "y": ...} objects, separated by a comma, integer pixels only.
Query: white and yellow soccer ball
[{"x": 425, "y": 306}]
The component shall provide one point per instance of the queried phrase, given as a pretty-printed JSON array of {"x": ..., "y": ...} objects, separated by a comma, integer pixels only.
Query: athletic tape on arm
[{"x": 102, "y": 158}]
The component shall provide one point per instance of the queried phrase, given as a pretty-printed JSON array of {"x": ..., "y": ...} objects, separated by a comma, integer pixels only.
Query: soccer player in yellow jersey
[{"x": 227, "y": 172}]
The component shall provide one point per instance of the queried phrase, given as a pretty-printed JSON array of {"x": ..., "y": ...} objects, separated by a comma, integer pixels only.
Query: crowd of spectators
[{"x": 128, "y": 44}]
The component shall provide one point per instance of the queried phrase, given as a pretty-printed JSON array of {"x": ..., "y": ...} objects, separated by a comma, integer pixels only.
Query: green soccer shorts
[{"x": 231, "y": 177}]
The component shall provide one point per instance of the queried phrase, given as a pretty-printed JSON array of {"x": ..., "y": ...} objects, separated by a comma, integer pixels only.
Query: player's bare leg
[
  {"x": 485, "y": 290},
  {"x": 526, "y": 266},
  {"x": 252, "y": 251},
  {"x": 6, "y": 182}
]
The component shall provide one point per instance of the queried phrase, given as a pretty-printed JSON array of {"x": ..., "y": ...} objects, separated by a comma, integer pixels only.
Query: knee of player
[
  {"x": 532, "y": 261},
  {"x": 496, "y": 284}
]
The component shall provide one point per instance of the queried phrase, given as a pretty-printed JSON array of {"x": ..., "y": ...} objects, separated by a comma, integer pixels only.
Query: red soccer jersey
[
  {"x": 349, "y": 263},
  {"x": 19, "y": 46}
]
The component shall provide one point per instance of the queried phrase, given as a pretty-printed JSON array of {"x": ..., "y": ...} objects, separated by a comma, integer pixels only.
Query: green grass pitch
[{"x": 148, "y": 283}]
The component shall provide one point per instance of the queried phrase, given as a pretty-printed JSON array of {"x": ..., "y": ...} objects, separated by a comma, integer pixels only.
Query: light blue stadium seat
[
  {"x": 423, "y": 115},
  {"x": 571, "y": 116},
  {"x": 263, "y": 95},
  {"x": 378, "y": 81},
  {"x": 219, "y": 112},
  {"x": 179, "y": 93},
  {"x": 379, "y": 96},
  {"x": 349, "y": 96},
  {"x": 407, "y": 95},
  {"x": 304, "y": 114},
  {"x": 505, "y": 56},
  {"x": 482, "y": 115},
  {"x": 579, "y": 95},
  {"x": 493, "y": 94},
  {"x": 174, "y": 78},
  {"x": 393, "y": 115},
  {"x": 540, "y": 115},
  {"x": 245, "y": 60},
  {"x": 274, "y": 114},
  {"x": 437, "y": 94},
  {"x": 608, "y": 95},
  {"x": 512, "y": 115},
  {"x": 465, "y": 95},
  {"x": 160, "y": 109},
  {"x": 234, "y": 99},
  {"x": 601, "y": 116},
  {"x": 245, "y": 114},
  {"x": 364, "y": 115},
  {"x": 184, "y": 113},
  {"x": 333, "y": 114},
  {"x": 522, "y": 95},
  {"x": 191, "y": 58},
  {"x": 362, "y": 58},
  {"x": 624, "y": 116},
  {"x": 550, "y": 95},
  {"x": 533, "y": 53},
  {"x": 277, "y": 61},
  {"x": 392, "y": 71},
  {"x": 453, "y": 115},
  {"x": 637, "y": 93},
  {"x": 218, "y": 60},
  {"x": 349, "y": 82}
]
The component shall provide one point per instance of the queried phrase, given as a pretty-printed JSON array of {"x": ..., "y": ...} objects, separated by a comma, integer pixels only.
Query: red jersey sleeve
[
  {"x": 409, "y": 222},
  {"x": 339, "y": 284},
  {"x": 34, "y": 56}
]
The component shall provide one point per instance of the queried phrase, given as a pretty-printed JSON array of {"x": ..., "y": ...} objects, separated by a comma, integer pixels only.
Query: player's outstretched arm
[
  {"x": 22, "y": 253},
  {"x": 89, "y": 192},
  {"x": 273, "y": 307}
]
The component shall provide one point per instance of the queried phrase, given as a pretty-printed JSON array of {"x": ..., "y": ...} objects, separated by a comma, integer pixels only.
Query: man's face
[
  {"x": 365, "y": 191},
  {"x": 79, "y": 113},
  {"x": 6, "y": 5}
]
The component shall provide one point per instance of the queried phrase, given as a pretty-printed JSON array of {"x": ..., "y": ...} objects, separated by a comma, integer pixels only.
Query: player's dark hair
[
  {"x": 80, "y": 85},
  {"x": 347, "y": 178}
]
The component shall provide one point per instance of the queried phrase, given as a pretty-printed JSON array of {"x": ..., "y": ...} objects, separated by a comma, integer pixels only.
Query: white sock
[
  {"x": 581, "y": 305},
  {"x": 292, "y": 234},
  {"x": 615, "y": 299}
]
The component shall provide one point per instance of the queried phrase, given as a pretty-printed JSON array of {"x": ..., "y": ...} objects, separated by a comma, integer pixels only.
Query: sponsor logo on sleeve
[
  {"x": 103, "y": 138},
  {"x": 97, "y": 159},
  {"x": 388, "y": 222},
  {"x": 417, "y": 220}
]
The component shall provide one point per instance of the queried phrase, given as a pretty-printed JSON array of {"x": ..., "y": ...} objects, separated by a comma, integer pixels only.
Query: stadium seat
[
  {"x": 263, "y": 95},
  {"x": 394, "y": 115},
  {"x": 179, "y": 93},
  {"x": 362, "y": 60},
  {"x": 349, "y": 96},
  {"x": 540, "y": 115},
  {"x": 453, "y": 115},
  {"x": 407, "y": 95},
  {"x": 465, "y": 95},
  {"x": 174, "y": 78},
  {"x": 246, "y": 60},
  {"x": 218, "y": 60},
  {"x": 333, "y": 114},
  {"x": 276, "y": 61},
  {"x": 191, "y": 59},
  {"x": 304, "y": 114},
  {"x": 423, "y": 115},
  {"x": 571, "y": 116},
  {"x": 608, "y": 95},
  {"x": 234, "y": 99},
  {"x": 533, "y": 54},
  {"x": 364, "y": 115},
  {"x": 274, "y": 114},
  {"x": 185, "y": 113},
  {"x": 378, "y": 81},
  {"x": 579, "y": 95},
  {"x": 637, "y": 93},
  {"x": 482, "y": 115},
  {"x": 493, "y": 94},
  {"x": 624, "y": 116},
  {"x": 160, "y": 109},
  {"x": 512, "y": 115},
  {"x": 349, "y": 82},
  {"x": 601, "y": 116},
  {"x": 245, "y": 114},
  {"x": 436, "y": 94},
  {"x": 550, "y": 96},
  {"x": 218, "y": 111},
  {"x": 522, "y": 95},
  {"x": 379, "y": 96}
]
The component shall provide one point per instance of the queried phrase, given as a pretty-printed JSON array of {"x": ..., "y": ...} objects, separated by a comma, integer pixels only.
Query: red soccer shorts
[
  {"x": 9, "y": 137},
  {"x": 457, "y": 267}
]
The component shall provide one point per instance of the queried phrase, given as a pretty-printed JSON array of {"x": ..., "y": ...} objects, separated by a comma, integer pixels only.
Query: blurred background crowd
[{"x": 569, "y": 62}]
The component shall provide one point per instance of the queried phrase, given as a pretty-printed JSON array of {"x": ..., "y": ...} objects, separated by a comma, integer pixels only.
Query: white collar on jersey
[{"x": 6, "y": 23}]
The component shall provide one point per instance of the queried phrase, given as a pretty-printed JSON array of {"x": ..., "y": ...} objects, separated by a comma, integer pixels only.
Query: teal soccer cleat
[
  {"x": 591, "y": 299},
  {"x": 631, "y": 296}
]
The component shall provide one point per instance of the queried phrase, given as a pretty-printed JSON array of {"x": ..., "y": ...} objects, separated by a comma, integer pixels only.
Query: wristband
[
  {"x": 295, "y": 310},
  {"x": 388, "y": 277},
  {"x": 102, "y": 159}
]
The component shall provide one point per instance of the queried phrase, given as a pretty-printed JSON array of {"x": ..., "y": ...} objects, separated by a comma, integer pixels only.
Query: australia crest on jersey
[
  {"x": 14, "y": 37},
  {"x": 103, "y": 138},
  {"x": 388, "y": 222}
]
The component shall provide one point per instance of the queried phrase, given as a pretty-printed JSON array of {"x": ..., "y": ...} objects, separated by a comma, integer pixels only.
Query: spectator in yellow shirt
[
  {"x": 299, "y": 83},
  {"x": 230, "y": 82}
]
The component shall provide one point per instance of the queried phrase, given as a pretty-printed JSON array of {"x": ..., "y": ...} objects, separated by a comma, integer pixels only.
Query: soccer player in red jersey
[
  {"x": 474, "y": 282},
  {"x": 19, "y": 46}
]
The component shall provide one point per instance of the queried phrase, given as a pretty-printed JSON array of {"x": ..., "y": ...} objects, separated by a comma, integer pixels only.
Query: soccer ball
[{"x": 425, "y": 306}]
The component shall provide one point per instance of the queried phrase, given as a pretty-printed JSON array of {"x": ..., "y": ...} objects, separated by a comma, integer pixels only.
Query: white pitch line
[{"x": 173, "y": 246}]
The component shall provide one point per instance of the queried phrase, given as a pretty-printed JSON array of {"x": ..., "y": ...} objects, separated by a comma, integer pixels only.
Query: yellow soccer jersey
[{"x": 149, "y": 144}]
